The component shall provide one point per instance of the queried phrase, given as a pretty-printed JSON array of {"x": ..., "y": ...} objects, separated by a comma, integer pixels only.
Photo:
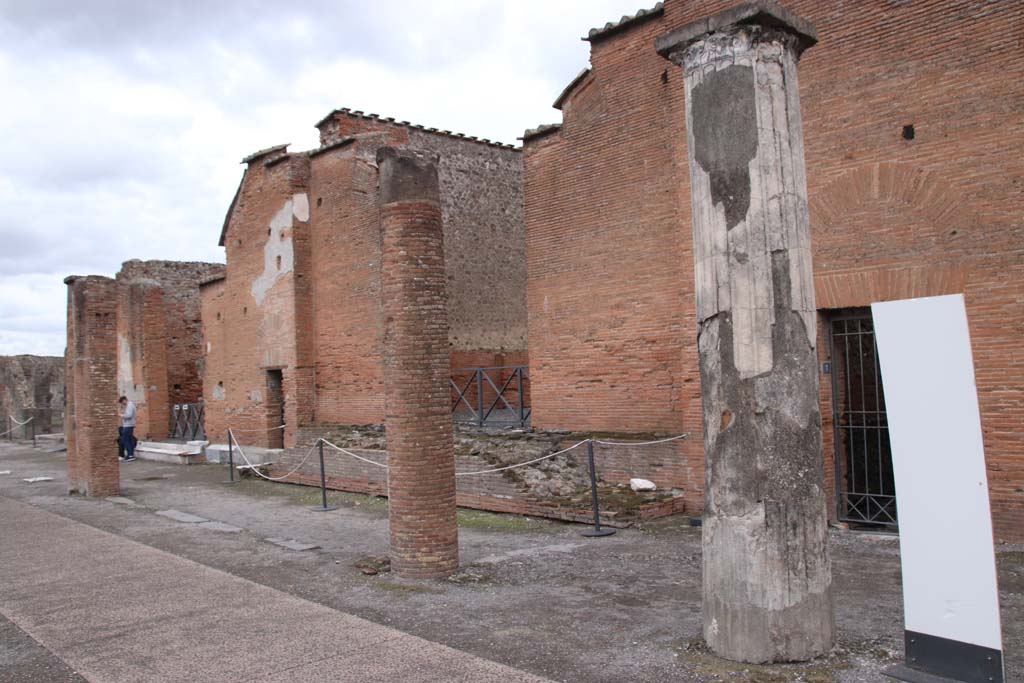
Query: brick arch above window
[
  {"x": 925, "y": 199},
  {"x": 908, "y": 186}
]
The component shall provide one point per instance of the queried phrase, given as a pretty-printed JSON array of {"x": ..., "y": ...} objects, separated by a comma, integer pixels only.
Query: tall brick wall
[
  {"x": 92, "y": 419},
  {"x": 32, "y": 387},
  {"x": 613, "y": 347},
  {"x": 250, "y": 315}
]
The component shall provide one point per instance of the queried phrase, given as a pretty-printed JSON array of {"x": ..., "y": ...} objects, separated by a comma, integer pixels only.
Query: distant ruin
[{"x": 31, "y": 387}]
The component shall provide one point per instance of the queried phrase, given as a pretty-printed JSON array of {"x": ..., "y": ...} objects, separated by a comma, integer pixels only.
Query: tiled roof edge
[
  {"x": 405, "y": 124},
  {"x": 612, "y": 28},
  {"x": 569, "y": 88}
]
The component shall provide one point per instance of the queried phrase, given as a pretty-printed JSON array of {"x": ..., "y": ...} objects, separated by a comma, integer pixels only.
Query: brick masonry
[
  {"x": 893, "y": 214},
  {"x": 317, "y": 318},
  {"x": 32, "y": 387},
  {"x": 159, "y": 338},
  {"x": 421, "y": 464},
  {"x": 91, "y": 418}
]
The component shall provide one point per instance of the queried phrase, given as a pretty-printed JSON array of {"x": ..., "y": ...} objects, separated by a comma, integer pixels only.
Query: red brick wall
[
  {"x": 142, "y": 350},
  {"x": 346, "y": 257},
  {"x": 332, "y": 356},
  {"x": 611, "y": 315},
  {"x": 183, "y": 340},
  {"x": 250, "y": 317}
]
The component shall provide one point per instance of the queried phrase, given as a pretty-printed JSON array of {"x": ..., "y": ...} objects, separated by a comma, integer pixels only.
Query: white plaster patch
[
  {"x": 279, "y": 253},
  {"x": 125, "y": 375}
]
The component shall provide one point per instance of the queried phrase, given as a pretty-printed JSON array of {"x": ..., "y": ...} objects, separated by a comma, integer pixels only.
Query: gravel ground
[{"x": 532, "y": 594}]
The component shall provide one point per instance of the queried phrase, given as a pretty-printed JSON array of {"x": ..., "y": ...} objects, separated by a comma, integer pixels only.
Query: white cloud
[{"x": 125, "y": 121}]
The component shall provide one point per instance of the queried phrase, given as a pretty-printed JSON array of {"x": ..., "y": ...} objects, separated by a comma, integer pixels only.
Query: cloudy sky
[{"x": 123, "y": 121}]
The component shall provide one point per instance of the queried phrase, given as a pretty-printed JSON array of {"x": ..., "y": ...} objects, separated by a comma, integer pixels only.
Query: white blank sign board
[{"x": 948, "y": 555}]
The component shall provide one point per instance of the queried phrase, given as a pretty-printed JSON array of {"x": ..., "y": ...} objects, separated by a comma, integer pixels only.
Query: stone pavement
[{"x": 117, "y": 611}]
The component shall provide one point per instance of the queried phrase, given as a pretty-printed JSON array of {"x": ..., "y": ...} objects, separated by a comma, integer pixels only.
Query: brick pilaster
[{"x": 93, "y": 469}]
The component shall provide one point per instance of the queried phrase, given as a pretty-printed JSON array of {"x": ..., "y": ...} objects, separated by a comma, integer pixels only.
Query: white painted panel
[{"x": 948, "y": 555}]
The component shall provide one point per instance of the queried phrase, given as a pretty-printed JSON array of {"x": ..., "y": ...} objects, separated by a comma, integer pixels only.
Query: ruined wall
[
  {"x": 250, "y": 316},
  {"x": 891, "y": 217},
  {"x": 32, "y": 387},
  {"x": 319, "y": 319},
  {"x": 179, "y": 281}
]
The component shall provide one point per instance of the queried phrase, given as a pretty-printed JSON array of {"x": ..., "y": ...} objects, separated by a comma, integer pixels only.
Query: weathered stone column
[
  {"x": 417, "y": 367},
  {"x": 767, "y": 575},
  {"x": 93, "y": 469}
]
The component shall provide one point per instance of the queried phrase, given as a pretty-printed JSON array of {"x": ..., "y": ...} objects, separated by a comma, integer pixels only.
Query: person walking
[{"x": 126, "y": 432}]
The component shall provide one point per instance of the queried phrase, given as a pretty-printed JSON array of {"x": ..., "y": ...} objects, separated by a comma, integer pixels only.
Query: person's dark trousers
[
  {"x": 128, "y": 439},
  {"x": 120, "y": 442}
]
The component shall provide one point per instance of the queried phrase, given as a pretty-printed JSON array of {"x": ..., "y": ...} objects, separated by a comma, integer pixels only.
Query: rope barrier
[
  {"x": 641, "y": 443},
  {"x": 457, "y": 474},
  {"x": 351, "y": 454},
  {"x": 254, "y": 467},
  {"x": 19, "y": 424},
  {"x": 522, "y": 464}
]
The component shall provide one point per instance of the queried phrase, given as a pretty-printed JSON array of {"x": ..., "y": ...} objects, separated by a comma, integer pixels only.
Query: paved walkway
[{"x": 119, "y": 611}]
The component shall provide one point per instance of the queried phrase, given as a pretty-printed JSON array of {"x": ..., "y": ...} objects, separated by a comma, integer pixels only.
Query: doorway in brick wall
[
  {"x": 865, "y": 489},
  {"x": 275, "y": 408}
]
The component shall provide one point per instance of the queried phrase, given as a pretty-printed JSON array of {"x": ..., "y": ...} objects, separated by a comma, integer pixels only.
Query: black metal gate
[
  {"x": 491, "y": 396},
  {"x": 187, "y": 422},
  {"x": 865, "y": 490}
]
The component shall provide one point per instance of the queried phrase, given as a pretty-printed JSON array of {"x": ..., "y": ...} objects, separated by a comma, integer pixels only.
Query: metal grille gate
[
  {"x": 865, "y": 490},
  {"x": 491, "y": 396},
  {"x": 187, "y": 422}
]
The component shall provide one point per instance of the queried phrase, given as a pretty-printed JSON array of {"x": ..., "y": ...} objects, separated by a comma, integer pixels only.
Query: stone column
[
  {"x": 93, "y": 469},
  {"x": 767, "y": 574},
  {"x": 421, "y": 452}
]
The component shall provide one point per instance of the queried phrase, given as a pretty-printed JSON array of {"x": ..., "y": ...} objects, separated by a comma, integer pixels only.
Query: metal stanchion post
[
  {"x": 231, "y": 460},
  {"x": 598, "y": 530},
  {"x": 323, "y": 507}
]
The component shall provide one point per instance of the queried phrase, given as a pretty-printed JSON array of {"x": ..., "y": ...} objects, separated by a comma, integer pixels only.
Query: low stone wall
[{"x": 557, "y": 488}]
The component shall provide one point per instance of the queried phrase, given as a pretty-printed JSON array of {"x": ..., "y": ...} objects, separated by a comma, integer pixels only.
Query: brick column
[
  {"x": 421, "y": 453},
  {"x": 93, "y": 469},
  {"x": 767, "y": 575}
]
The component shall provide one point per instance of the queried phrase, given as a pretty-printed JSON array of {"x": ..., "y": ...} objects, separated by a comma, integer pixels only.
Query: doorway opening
[
  {"x": 275, "y": 409},
  {"x": 865, "y": 488}
]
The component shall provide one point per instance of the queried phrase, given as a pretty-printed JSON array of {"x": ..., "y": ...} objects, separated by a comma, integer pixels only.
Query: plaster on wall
[
  {"x": 279, "y": 245},
  {"x": 125, "y": 377}
]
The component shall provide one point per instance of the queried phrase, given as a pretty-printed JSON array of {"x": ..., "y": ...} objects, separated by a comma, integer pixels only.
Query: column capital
[{"x": 736, "y": 29}]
